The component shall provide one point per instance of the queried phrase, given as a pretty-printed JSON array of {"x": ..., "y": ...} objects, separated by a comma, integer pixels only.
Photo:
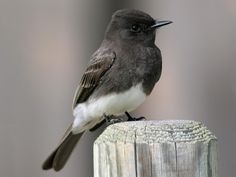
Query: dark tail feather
[{"x": 60, "y": 155}]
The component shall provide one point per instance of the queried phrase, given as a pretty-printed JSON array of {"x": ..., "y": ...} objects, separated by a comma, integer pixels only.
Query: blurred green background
[{"x": 45, "y": 46}]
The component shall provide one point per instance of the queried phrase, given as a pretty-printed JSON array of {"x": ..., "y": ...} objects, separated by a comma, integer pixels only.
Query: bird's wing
[{"x": 101, "y": 62}]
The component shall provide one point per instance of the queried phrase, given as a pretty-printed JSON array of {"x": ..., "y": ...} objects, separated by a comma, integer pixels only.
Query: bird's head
[{"x": 133, "y": 25}]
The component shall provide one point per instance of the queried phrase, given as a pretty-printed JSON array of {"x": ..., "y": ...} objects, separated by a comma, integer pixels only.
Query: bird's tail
[{"x": 58, "y": 158}]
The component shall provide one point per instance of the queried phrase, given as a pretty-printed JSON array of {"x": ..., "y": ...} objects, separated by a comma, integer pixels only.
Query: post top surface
[{"x": 164, "y": 131}]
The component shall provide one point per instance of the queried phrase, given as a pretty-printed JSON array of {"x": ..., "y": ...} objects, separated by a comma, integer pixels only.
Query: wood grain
[{"x": 177, "y": 148}]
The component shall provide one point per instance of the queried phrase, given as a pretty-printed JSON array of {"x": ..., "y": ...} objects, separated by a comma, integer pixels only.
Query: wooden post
[{"x": 177, "y": 148}]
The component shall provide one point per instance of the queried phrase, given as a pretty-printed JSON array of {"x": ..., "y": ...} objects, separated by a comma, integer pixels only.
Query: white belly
[{"x": 112, "y": 104}]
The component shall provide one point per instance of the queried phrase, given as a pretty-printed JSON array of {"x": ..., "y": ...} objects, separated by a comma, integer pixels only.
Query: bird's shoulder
[{"x": 103, "y": 56}]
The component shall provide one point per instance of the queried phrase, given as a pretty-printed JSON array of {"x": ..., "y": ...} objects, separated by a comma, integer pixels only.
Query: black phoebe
[{"x": 120, "y": 75}]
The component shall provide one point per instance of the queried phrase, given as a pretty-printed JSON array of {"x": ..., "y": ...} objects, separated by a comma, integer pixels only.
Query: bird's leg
[
  {"x": 108, "y": 120},
  {"x": 130, "y": 118},
  {"x": 113, "y": 119}
]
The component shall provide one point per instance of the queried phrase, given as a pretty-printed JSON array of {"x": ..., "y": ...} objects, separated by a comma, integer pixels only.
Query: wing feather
[{"x": 99, "y": 64}]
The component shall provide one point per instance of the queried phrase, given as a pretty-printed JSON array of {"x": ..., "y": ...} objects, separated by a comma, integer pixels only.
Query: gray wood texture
[{"x": 175, "y": 148}]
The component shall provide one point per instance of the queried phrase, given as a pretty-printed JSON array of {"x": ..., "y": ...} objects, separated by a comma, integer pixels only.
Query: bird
[{"x": 120, "y": 75}]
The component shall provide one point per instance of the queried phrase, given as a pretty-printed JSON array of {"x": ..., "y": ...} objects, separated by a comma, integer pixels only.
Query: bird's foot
[
  {"x": 112, "y": 120},
  {"x": 130, "y": 118}
]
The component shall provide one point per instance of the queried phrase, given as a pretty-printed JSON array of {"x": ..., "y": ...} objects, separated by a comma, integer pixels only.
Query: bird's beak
[{"x": 160, "y": 23}]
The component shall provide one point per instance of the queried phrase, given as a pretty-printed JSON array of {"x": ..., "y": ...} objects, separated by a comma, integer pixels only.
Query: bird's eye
[{"x": 135, "y": 28}]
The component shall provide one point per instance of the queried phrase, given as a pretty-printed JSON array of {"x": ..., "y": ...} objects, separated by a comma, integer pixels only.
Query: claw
[{"x": 111, "y": 120}]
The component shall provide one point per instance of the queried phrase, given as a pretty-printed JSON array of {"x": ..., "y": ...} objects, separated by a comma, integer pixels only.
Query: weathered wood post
[{"x": 179, "y": 148}]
